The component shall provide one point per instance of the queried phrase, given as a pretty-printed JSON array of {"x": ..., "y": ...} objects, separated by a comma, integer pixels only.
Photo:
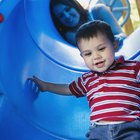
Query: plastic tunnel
[{"x": 30, "y": 45}]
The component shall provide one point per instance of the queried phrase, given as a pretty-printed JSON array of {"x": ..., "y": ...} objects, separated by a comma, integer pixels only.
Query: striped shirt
[{"x": 113, "y": 95}]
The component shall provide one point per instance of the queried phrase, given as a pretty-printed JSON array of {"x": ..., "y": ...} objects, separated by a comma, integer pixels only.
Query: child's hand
[
  {"x": 31, "y": 90},
  {"x": 120, "y": 38},
  {"x": 34, "y": 83}
]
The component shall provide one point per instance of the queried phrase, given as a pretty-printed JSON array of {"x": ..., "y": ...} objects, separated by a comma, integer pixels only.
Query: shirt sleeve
[
  {"x": 78, "y": 88},
  {"x": 137, "y": 72}
]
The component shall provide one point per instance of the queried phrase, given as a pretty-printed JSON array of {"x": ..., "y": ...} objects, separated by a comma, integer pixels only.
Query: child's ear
[{"x": 116, "y": 46}]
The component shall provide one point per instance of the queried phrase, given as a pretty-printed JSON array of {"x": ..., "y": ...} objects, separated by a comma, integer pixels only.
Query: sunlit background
[{"x": 134, "y": 19}]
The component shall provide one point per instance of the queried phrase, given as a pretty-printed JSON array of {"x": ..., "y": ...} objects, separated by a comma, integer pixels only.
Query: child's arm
[{"x": 43, "y": 86}]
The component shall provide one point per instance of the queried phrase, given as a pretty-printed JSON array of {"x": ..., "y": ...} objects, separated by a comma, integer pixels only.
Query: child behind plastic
[{"x": 69, "y": 15}]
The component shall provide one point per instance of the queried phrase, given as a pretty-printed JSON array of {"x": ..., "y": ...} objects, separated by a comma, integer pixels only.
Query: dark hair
[
  {"x": 72, "y": 3},
  {"x": 91, "y": 29}
]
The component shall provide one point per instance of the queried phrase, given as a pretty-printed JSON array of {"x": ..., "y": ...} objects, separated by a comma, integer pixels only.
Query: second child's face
[
  {"x": 67, "y": 15},
  {"x": 97, "y": 52}
]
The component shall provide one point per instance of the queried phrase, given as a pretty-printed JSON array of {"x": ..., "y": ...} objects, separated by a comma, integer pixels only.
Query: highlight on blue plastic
[{"x": 30, "y": 45}]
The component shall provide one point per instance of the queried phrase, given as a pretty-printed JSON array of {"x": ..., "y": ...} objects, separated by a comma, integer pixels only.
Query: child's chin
[{"x": 101, "y": 70}]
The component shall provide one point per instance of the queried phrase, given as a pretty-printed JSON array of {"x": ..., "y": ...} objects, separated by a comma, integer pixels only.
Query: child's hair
[
  {"x": 91, "y": 29},
  {"x": 72, "y": 3}
]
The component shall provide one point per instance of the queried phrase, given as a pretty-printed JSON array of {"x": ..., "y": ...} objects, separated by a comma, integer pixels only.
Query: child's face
[{"x": 97, "y": 52}]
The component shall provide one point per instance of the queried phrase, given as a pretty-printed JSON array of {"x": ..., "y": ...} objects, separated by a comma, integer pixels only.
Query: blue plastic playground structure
[{"x": 30, "y": 45}]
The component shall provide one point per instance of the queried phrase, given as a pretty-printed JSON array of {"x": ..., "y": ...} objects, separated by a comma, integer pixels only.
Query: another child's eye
[
  {"x": 61, "y": 15},
  {"x": 67, "y": 9}
]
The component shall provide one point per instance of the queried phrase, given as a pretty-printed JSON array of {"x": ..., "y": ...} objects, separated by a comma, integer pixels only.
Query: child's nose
[{"x": 96, "y": 56}]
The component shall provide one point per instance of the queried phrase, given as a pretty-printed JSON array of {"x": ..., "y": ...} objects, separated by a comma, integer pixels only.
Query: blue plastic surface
[{"x": 30, "y": 45}]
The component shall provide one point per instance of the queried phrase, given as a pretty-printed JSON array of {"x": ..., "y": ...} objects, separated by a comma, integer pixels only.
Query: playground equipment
[
  {"x": 119, "y": 9},
  {"x": 30, "y": 45}
]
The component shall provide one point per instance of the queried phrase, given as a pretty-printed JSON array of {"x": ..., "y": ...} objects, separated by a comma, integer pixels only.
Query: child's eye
[
  {"x": 86, "y": 54},
  {"x": 101, "y": 49}
]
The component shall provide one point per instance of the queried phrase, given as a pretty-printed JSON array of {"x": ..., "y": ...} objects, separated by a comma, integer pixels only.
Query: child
[{"x": 111, "y": 86}]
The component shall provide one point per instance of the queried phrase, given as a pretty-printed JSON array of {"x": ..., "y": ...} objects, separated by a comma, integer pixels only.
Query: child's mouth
[{"x": 100, "y": 64}]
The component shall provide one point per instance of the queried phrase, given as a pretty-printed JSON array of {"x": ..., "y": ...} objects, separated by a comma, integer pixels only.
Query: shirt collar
[{"x": 120, "y": 60}]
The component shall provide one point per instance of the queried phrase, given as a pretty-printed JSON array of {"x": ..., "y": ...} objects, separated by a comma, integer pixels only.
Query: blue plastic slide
[{"x": 30, "y": 45}]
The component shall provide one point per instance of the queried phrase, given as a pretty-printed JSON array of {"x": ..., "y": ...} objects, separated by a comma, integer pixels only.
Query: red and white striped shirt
[{"x": 113, "y": 95}]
